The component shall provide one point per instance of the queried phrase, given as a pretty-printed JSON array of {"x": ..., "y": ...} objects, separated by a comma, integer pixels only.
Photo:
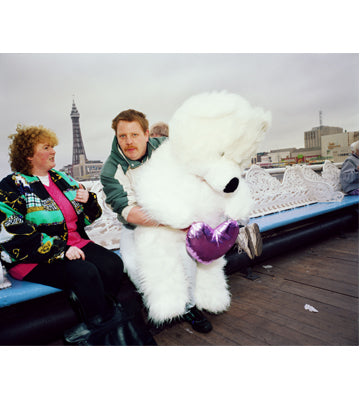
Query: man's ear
[{"x": 147, "y": 134}]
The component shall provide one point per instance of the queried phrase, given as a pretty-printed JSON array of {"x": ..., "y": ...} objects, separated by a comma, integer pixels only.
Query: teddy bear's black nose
[{"x": 232, "y": 185}]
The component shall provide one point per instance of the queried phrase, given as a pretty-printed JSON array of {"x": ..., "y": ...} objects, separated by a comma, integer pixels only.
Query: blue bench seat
[
  {"x": 291, "y": 216},
  {"x": 23, "y": 291}
]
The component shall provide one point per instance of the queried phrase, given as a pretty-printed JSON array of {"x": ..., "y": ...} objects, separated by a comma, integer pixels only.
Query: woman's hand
[
  {"x": 82, "y": 195},
  {"x": 74, "y": 253}
]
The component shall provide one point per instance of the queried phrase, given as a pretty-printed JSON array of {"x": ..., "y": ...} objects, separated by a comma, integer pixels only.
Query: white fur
[{"x": 212, "y": 137}]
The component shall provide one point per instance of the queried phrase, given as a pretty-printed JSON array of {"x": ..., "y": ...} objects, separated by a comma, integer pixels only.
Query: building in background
[
  {"x": 282, "y": 157},
  {"x": 337, "y": 147},
  {"x": 312, "y": 139},
  {"x": 321, "y": 143},
  {"x": 81, "y": 168}
]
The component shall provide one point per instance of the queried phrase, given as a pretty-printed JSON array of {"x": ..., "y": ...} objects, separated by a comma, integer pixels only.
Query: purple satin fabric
[{"x": 205, "y": 244}]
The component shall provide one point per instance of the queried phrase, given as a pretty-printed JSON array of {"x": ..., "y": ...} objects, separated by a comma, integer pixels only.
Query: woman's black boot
[
  {"x": 128, "y": 325},
  {"x": 122, "y": 327},
  {"x": 78, "y": 335}
]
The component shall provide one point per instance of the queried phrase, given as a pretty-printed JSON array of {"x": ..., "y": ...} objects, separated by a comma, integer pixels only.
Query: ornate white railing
[{"x": 300, "y": 186}]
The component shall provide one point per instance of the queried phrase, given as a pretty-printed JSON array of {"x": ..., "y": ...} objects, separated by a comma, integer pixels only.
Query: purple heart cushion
[{"x": 205, "y": 244}]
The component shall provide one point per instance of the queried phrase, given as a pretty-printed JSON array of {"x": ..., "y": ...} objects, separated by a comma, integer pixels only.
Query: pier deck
[{"x": 270, "y": 310}]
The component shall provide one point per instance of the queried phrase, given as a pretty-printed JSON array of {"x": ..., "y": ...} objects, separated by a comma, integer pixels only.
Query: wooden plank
[
  {"x": 347, "y": 262},
  {"x": 226, "y": 325},
  {"x": 224, "y": 333},
  {"x": 286, "y": 326},
  {"x": 347, "y": 272},
  {"x": 312, "y": 277},
  {"x": 178, "y": 336},
  {"x": 217, "y": 336},
  {"x": 315, "y": 294},
  {"x": 338, "y": 248},
  {"x": 236, "y": 326},
  {"x": 264, "y": 332},
  {"x": 267, "y": 331},
  {"x": 341, "y": 248},
  {"x": 336, "y": 254},
  {"x": 309, "y": 255}
]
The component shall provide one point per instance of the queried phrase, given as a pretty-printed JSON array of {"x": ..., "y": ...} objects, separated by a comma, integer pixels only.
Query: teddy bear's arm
[
  {"x": 173, "y": 205},
  {"x": 168, "y": 208}
]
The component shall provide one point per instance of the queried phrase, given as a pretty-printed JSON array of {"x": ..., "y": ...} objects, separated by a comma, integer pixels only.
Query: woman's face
[{"x": 43, "y": 159}]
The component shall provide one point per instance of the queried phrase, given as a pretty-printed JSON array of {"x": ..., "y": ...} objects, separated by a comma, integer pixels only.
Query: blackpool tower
[{"x": 78, "y": 145}]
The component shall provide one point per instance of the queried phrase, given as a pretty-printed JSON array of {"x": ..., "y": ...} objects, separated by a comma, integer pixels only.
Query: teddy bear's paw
[
  {"x": 215, "y": 304},
  {"x": 164, "y": 311},
  {"x": 214, "y": 298}
]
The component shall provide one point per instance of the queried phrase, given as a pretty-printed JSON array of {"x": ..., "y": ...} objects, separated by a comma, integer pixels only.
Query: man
[
  {"x": 131, "y": 148},
  {"x": 349, "y": 175}
]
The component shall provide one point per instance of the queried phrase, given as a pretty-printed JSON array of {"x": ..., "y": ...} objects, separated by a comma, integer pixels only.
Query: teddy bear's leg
[
  {"x": 212, "y": 291},
  {"x": 161, "y": 272}
]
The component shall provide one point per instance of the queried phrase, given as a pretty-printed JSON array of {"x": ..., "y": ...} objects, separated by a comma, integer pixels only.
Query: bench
[
  {"x": 33, "y": 314},
  {"x": 300, "y": 214}
]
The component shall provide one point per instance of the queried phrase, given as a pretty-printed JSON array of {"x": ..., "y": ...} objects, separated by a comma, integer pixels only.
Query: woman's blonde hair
[{"x": 23, "y": 146}]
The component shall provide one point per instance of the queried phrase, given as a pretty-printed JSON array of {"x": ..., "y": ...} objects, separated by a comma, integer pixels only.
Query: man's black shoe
[{"x": 197, "y": 320}]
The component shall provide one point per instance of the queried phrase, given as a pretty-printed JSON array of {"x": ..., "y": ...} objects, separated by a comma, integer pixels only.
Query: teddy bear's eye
[{"x": 222, "y": 154}]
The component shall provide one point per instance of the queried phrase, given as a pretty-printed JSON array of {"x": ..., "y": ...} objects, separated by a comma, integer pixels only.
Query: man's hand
[{"x": 138, "y": 217}]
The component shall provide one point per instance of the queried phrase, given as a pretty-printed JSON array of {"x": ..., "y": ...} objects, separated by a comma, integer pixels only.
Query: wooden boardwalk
[{"x": 270, "y": 310}]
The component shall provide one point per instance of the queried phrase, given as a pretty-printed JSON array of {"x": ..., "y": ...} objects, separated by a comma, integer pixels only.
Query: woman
[{"x": 43, "y": 213}]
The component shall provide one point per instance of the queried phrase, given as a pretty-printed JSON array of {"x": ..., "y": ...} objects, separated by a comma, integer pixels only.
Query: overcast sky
[
  {"x": 316, "y": 72},
  {"x": 39, "y": 89}
]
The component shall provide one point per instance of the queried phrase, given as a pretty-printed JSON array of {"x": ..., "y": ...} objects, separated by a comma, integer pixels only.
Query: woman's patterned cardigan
[{"x": 32, "y": 227}]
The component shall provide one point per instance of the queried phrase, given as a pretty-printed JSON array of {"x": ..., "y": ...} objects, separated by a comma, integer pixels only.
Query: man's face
[{"x": 132, "y": 139}]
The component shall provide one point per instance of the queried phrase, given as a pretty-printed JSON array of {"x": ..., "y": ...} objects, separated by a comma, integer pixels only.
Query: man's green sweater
[{"x": 117, "y": 178}]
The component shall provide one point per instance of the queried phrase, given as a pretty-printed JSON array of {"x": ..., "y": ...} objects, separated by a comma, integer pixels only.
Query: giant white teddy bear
[{"x": 195, "y": 176}]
